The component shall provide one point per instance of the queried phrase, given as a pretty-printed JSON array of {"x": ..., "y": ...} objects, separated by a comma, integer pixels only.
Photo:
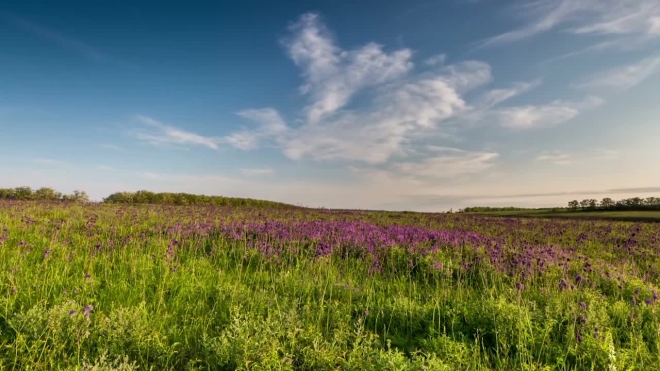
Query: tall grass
[{"x": 199, "y": 288}]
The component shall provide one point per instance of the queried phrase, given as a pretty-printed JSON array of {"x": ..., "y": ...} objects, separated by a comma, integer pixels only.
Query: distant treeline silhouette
[
  {"x": 628, "y": 204},
  {"x": 139, "y": 197},
  {"x": 634, "y": 203}
]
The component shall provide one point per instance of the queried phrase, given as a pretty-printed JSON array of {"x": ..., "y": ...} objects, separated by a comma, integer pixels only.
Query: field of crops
[{"x": 104, "y": 287}]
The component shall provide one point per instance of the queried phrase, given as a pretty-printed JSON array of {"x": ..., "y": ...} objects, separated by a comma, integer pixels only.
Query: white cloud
[
  {"x": 404, "y": 107},
  {"x": 157, "y": 133},
  {"x": 600, "y": 17},
  {"x": 555, "y": 157},
  {"x": 533, "y": 116},
  {"x": 497, "y": 96},
  {"x": 332, "y": 75},
  {"x": 453, "y": 163},
  {"x": 254, "y": 172},
  {"x": 270, "y": 125},
  {"x": 435, "y": 60},
  {"x": 624, "y": 77},
  {"x": 400, "y": 108}
]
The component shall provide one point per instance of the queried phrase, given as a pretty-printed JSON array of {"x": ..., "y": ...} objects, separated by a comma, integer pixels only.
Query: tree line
[
  {"x": 166, "y": 198},
  {"x": 41, "y": 194},
  {"x": 139, "y": 197},
  {"x": 634, "y": 203}
]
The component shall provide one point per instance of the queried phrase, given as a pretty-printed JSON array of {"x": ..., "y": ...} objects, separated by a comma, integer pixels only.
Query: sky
[{"x": 421, "y": 105}]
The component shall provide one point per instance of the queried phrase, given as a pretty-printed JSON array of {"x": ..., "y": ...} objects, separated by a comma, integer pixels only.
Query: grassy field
[
  {"x": 105, "y": 287},
  {"x": 611, "y": 215}
]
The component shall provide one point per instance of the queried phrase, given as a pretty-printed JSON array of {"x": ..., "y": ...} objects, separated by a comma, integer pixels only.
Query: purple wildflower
[
  {"x": 88, "y": 310},
  {"x": 72, "y": 312},
  {"x": 583, "y": 305}
]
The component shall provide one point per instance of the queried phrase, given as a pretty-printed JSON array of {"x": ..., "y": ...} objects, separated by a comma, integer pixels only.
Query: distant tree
[
  {"x": 23, "y": 193},
  {"x": 593, "y": 204},
  {"x": 584, "y": 204},
  {"x": 77, "y": 196},
  {"x": 652, "y": 201},
  {"x": 573, "y": 205},
  {"x": 607, "y": 203},
  {"x": 46, "y": 194},
  {"x": 6, "y": 193}
]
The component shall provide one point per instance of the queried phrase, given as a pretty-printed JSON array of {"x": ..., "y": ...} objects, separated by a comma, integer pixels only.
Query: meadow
[{"x": 147, "y": 287}]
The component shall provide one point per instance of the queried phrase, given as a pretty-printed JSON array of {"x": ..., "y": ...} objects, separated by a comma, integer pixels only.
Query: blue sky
[{"x": 418, "y": 105}]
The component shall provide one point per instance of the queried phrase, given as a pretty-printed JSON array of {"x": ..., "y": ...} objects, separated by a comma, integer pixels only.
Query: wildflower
[
  {"x": 583, "y": 305},
  {"x": 87, "y": 275},
  {"x": 72, "y": 312},
  {"x": 578, "y": 279},
  {"x": 582, "y": 319},
  {"x": 648, "y": 301},
  {"x": 520, "y": 286},
  {"x": 88, "y": 310},
  {"x": 438, "y": 266},
  {"x": 579, "y": 337}
]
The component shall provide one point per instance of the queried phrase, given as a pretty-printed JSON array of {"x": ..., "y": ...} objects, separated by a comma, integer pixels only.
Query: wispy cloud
[
  {"x": 332, "y": 76},
  {"x": 156, "y": 133},
  {"x": 496, "y": 96},
  {"x": 624, "y": 77},
  {"x": 57, "y": 38},
  {"x": 436, "y": 60},
  {"x": 403, "y": 105},
  {"x": 596, "y": 17},
  {"x": 555, "y": 157},
  {"x": 534, "y": 116},
  {"x": 270, "y": 125},
  {"x": 449, "y": 163}
]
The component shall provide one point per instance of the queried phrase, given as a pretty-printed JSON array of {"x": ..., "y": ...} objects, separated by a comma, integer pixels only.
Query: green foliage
[
  {"x": 41, "y": 194},
  {"x": 147, "y": 197}
]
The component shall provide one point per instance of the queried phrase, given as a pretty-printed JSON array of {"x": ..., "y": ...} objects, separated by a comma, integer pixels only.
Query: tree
[
  {"x": 607, "y": 203},
  {"x": 47, "y": 194},
  {"x": 78, "y": 196},
  {"x": 23, "y": 193},
  {"x": 593, "y": 203},
  {"x": 584, "y": 204},
  {"x": 573, "y": 205}
]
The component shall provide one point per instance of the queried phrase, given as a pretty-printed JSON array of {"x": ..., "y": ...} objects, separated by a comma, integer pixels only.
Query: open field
[
  {"x": 608, "y": 215},
  {"x": 211, "y": 288}
]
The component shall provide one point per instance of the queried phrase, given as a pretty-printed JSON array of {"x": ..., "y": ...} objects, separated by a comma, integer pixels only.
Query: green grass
[{"x": 210, "y": 302}]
